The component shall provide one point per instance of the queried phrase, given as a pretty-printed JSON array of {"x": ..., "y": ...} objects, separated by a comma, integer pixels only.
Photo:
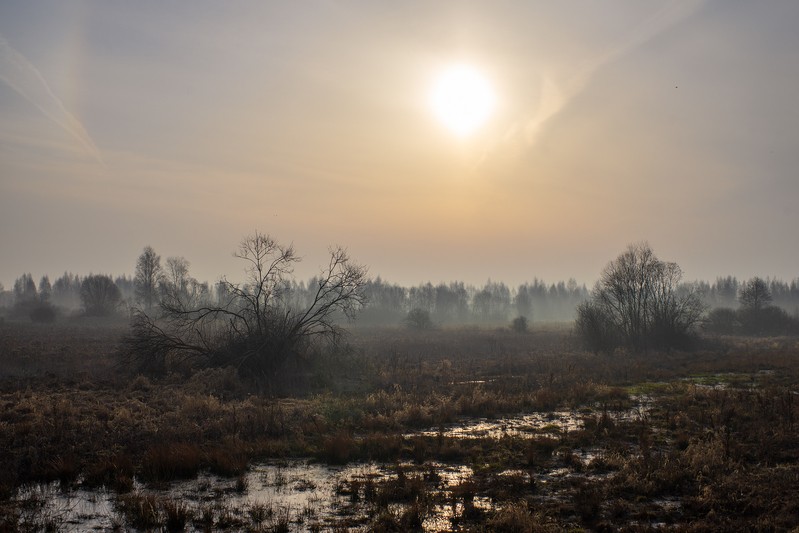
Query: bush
[
  {"x": 771, "y": 320},
  {"x": 99, "y": 295},
  {"x": 257, "y": 326},
  {"x": 723, "y": 321},
  {"x": 43, "y": 313},
  {"x": 519, "y": 324},
  {"x": 418, "y": 319}
]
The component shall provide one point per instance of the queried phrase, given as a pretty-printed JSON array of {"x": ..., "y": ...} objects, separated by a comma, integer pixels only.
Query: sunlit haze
[{"x": 436, "y": 141}]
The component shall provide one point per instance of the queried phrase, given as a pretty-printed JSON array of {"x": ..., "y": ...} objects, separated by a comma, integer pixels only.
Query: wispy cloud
[
  {"x": 20, "y": 74},
  {"x": 555, "y": 95}
]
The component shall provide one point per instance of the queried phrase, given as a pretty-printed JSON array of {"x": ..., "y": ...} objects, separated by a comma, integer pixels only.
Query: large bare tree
[
  {"x": 639, "y": 301},
  {"x": 256, "y": 325}
]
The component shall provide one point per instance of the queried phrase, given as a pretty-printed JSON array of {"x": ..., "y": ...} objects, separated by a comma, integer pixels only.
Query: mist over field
[{"x": 345, "y": 401}]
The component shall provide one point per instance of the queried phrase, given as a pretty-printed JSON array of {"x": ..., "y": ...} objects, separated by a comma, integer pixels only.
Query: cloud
[
  {"x": 551, "y": 100},
  {"x": 555, "y": 95},
  {"x": 22, "y": 76}
]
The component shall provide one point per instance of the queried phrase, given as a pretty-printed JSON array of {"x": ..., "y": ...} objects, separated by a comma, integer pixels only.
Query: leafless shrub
[
  {"x": 99, "y": 295},
  {"x": 256, "y": 326},
  {"x": 639, "y": 303},
  {"x": 418, "y": 319},
  {"x": 519, "y": 324}
]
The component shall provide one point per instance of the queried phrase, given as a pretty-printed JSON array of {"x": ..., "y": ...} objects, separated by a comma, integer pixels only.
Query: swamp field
[{"x": 446, "y": 430}]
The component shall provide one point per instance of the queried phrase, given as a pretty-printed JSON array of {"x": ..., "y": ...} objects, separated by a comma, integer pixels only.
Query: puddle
[
  {"x": 304, "y": 496},
  {"x": 300, "y": 495},
  {"x": 552, "y": 424},
  {"x": 48, "y": 507}
]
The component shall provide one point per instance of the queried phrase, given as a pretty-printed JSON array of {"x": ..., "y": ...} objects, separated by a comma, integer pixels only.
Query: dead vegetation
[{"x": 707, "y": 440}]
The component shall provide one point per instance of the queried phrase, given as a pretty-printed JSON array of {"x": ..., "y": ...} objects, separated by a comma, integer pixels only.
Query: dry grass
[{"x": 721, "y": 449}]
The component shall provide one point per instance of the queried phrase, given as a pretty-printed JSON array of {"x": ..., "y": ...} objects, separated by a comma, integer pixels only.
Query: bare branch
[{"x": 257, "y": 325}]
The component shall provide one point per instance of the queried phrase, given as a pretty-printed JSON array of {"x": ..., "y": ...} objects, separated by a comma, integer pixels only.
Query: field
[{"x": 447, "y": 430}]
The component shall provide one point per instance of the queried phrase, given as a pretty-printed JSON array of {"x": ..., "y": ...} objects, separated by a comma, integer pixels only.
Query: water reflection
[{"x": 305, "y": 496}]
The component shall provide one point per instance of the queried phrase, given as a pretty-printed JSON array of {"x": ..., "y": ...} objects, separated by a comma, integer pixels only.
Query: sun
[{"x": 462, "y": 99}]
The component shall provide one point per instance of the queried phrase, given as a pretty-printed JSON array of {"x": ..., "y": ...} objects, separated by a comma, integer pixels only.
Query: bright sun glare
[{"x": 462, "y": 99}]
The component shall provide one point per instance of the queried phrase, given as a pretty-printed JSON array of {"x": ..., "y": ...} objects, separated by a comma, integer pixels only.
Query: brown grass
[{"x": 726, "y": 455}]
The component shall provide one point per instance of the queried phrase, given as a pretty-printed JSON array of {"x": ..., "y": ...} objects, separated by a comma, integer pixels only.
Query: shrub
[
  {"x": 418, "y": 319},
  {"x": 99, "y": 295},
  {"x": 639, "y": 302},
  {"x": 43, "y": 313},
  {"x": 723, "y": 321},
  {"x": 770, "y": 320},
  {"x": 256, "y": 326},
  {"x": 519, "y": 324}
]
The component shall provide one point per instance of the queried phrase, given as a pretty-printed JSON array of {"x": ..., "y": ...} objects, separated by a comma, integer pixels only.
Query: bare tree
[
  {"x": 177, "y": 285},
  {"x": 147, "y": 278},
  {"x": 755, "y": 294},
  {"x": 676, "y": 309},
  {"x": 256, "y": 326},
  {"x": 176, "y": 273},
  {"x": 639, "y": 301},
  {"x": 99, "y": 295},
  {"x": 756, "y": 314},
  {"x": 596, "y": 328}
]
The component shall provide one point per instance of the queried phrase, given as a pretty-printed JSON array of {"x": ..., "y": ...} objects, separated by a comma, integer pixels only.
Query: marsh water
[{"x": 305, "y": 496}]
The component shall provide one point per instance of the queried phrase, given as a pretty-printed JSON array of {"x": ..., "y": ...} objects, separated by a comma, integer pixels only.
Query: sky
[{"x": 187, "y": 126}]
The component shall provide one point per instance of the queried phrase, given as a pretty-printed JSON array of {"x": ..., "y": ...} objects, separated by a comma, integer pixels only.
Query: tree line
[
  {"x": 99, "y": 294},
  {"x": 271, "y": 320},
  {"x": 386, "y": 303}
]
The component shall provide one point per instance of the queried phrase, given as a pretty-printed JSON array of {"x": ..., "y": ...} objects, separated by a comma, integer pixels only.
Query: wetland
[{"x": 446, "y": 430}]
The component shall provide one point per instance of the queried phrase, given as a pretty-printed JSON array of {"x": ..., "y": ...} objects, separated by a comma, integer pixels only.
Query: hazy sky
[{"x": 187, "y": 125}]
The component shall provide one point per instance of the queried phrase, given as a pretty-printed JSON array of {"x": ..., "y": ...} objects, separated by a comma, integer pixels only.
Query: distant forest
[{"x": 454, "y": 303}]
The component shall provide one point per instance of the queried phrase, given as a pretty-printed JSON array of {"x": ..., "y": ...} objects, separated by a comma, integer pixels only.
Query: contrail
[
  {"x": 555, "y": 97},
  {"x": 20, "y": 74}
]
